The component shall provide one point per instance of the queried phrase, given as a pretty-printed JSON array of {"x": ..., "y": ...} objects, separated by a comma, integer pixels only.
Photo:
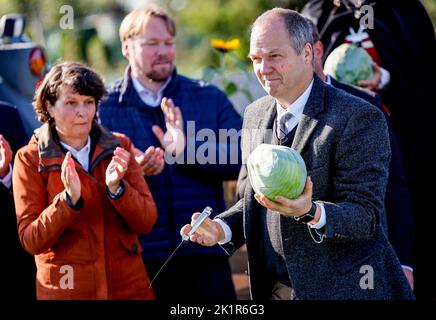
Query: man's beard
[{"x": 160, "y": 75}]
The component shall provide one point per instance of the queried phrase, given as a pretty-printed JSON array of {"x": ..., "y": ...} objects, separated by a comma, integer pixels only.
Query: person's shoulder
[
  {"x": 113, "y": 91},
  {"x": 198, "y": 85},
  {"x": 10, "y": 119},
  {"x": 366, "y": 95},
  {"x": 29, "y": 152},
  {"x": 257, "y": 107},
  {"x": 341, "y": 100},
  {"x": 348, "y": 109},
  {"x": 6, "y": 106},
  {"x": 8, "y": 110},
  {"x": 114, "y": 87}
]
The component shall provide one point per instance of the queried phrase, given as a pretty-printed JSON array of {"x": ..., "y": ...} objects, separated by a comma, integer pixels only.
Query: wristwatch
[{"x": 308, "y": 216}]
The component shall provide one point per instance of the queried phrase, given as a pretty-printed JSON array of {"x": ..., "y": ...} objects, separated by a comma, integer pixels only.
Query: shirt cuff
[
  {"x": 226, "y": 229},
  {"x": 7, "y": 179},
  {"x": 407, "y": 267},
  {"x": 79, "y": 204},
  {"x": 322, "y": 219},
  {"x": 119, "y": 193},
  {"x": 384, "y": 79}
]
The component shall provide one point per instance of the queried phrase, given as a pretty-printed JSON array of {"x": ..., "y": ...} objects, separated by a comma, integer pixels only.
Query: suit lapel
[
  {"x": 266, "y": 116},
  {"x": 260, "y": 129},
  {"x": 267, "y": 123},
  {"x": 308, "y": 122}
]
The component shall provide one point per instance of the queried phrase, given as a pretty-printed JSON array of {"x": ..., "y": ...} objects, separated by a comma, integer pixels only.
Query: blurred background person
[
  {"x": 404, "y": 40},
  {"x": 399, "y": 213},
  {"x": 79, "y": 196},
  {"x": 18, "y": 267}
]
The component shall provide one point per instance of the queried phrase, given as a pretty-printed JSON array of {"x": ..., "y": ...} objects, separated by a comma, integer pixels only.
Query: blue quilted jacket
[{"x": 181, "y": 189}]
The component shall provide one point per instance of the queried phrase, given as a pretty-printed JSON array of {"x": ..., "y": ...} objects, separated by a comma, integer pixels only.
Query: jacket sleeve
[
  {"x": 233, "y": 217},
  {"x": 359, "y": 178},
  {"x": 221, "y": 157},
  {"x": 136, "y": 205},
  {"x": 242, "y": 182},
  {"x": 40, "y": 224}
]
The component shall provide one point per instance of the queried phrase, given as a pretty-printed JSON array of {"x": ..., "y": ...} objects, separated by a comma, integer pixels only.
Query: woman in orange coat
[{"x": 80, "y": 196}]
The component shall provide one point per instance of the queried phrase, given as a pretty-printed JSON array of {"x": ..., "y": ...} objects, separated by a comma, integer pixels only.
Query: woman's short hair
[{"x": 82, "y": 79}]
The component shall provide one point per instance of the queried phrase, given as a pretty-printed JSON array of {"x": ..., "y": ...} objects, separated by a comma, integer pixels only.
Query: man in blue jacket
[{"x": 186, "y": 135}]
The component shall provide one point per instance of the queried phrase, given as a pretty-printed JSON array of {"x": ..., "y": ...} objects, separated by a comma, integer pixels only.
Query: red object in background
[
  {"x": 38, "y": 83},
  {"x": 37, "y": 62},
  {"x": 362, "y": 39},
  {"x": 367, "y": 44}
]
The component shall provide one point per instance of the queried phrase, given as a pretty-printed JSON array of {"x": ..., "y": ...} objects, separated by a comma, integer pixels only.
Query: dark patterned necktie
[{"x": 283, "y": 130}]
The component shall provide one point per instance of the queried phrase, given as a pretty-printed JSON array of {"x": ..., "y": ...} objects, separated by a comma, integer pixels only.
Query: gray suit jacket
[{"x": 344, "y": 143}]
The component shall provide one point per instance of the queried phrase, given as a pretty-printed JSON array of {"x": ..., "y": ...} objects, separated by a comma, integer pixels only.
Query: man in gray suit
[{"x": 329, "y": 243}]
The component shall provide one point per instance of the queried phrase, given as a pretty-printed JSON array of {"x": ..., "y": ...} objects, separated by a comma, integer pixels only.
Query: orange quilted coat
[{"x": 92, "y": 253}]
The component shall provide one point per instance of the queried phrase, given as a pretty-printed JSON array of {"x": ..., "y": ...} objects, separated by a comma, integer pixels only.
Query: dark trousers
[
  {"x": 199, "y": 278},
  {"x": 17, "y": 267}
]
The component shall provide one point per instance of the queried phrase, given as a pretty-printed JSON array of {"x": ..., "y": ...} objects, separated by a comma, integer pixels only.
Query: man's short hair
[
  {"x": 135, "y": 22},
  {"x": 296, "y": 25}
]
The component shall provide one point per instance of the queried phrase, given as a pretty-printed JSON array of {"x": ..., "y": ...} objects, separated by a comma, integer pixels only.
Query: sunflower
[{"x": 225, "y": 46}]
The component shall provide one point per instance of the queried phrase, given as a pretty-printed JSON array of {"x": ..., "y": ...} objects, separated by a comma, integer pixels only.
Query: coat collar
[
  {"x": 51, "y": 153},
  {"x": 127, "y": 88},
  {"x": 308, "y": 122}
]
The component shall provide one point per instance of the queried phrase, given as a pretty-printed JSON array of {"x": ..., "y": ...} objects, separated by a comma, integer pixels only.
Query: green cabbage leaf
[
  {"x": 276, "y": 170},
  {"x": 349, "y": 63}
]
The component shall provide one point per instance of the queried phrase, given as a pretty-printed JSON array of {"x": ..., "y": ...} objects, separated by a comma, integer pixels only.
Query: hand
[
  {"x": 5, "y": 156},
  {"x": 208, "y": 234},
  {"x": 291, "y": 207},
  {"x": 173, "y": 141},
  {"x": 409, "y": 276},
  {"x": 70, "y": 178},
  {"x": 372, "y": 83},
  {"x": 117, "y": 169},
  {"x": 152, "y": 160}
]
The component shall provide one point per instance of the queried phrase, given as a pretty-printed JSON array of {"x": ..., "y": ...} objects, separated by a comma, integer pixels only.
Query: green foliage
[
  {"x": 198, "y": 21},
  {"x": 430, "y": 5},
  {"x": 228, "y": 61},
  {"x": 204, "y": 20}
]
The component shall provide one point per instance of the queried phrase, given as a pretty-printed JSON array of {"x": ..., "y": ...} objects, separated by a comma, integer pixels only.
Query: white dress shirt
[
  {"x": 147, "y": 96},
  {"x": 82, "y": 155},
  {"x": 296, "y": 109}
]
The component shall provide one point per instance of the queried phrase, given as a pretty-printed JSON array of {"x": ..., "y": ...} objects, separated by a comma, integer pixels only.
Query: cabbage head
[
  {"x": 349, "y": 63},
  {"x": 276, "y": 170}
]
